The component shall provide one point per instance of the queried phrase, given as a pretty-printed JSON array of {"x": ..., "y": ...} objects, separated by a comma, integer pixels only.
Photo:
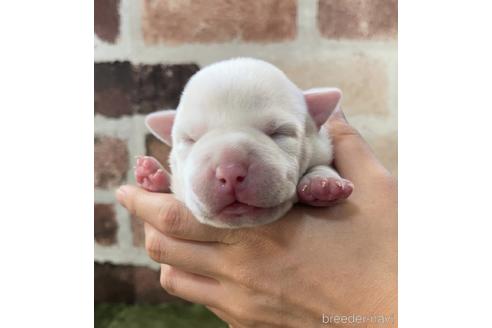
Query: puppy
[{"x": 246, "y": 145}]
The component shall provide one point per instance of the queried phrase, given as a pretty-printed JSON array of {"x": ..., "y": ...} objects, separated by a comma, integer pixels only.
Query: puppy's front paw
[
  {"x": 323, "y": 191},
  {"x": 150, "y": 175}
]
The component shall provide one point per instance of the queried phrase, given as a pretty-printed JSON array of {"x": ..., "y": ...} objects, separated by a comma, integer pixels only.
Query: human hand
[{"x": 339, "y": 260}]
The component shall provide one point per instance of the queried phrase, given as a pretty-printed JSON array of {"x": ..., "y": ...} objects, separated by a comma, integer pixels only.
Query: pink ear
[
  {"x": 161, "y": 124},
  {"x": 321, "y": 103}
]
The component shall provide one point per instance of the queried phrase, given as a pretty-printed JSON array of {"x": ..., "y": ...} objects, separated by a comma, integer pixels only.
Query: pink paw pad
[
  {"x": 150, "y": 175},
  {"x": 322, "y": 191}
]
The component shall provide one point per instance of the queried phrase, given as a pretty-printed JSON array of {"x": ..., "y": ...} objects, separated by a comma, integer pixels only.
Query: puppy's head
[{"x": 240, "y": 141}]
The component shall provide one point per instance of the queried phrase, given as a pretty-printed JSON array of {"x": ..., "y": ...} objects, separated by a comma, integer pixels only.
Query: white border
[
  {"x": 46, "y": 139},
  {"x": 445, "y": 164}
]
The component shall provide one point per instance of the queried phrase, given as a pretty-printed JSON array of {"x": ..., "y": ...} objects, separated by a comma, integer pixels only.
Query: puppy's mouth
[
  {"x": 237, "y": 208},
  {"x": 237, "y": 214}
]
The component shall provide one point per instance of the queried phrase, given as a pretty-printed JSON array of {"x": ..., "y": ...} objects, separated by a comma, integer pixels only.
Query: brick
[
  {"x": 128, "y": 284},
  {"x": 157, "y": 149},
  {"x": 113, "y": 86},
  {"x": 123, "y": 89},
  {"x": 112, "y": 103},
  {"x": 105, "y": 225},
  {"x": 110, "y": 161},
  {"x": 138, "y": 233},
  {"x": 363, "y": 79},
  {"x": 211, "y": 21},
  {"x": 358, "y": 19},
  {"x": 107, "y": 19},
  {"x": 113, "y": 283},
  {"x": 160, "y": 86}
]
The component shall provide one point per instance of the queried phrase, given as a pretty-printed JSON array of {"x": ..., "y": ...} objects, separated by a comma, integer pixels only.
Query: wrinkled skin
[{"x": 339, "y": 260}]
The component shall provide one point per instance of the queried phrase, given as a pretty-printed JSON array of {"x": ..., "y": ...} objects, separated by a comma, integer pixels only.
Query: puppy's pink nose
[{"x": 231, "y": 175}]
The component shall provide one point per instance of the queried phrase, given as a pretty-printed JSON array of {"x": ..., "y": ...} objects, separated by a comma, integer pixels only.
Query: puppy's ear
[
  {"x": 161, "y": 124},
  {"x": 321, "y": 103}
]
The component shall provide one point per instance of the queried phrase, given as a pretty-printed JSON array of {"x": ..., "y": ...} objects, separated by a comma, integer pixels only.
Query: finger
[
  {"x": 353, "y": 157},
  {"x": 190, "y": 286},
  {"x": 167, "y": 215},
  {"x": 196, "y": 257}
]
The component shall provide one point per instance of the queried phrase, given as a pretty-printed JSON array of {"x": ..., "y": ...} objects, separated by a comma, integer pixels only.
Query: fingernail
[{"x": 121, "y": 194}]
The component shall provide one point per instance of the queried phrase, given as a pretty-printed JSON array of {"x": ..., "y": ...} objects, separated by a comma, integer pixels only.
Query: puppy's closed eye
[
  {"x": 284, "y": 130},
  {"x": 188, "y": 139}
]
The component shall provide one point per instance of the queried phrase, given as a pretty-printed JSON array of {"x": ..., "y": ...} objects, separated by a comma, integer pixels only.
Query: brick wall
[{"x": 146, "y": 50}]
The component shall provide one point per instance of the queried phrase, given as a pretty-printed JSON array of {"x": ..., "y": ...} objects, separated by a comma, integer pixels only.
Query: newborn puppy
[{"x": 246, "y": 145}]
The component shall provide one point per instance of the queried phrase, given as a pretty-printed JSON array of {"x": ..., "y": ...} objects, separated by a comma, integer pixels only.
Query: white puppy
[{"x": 246, "y": 145}]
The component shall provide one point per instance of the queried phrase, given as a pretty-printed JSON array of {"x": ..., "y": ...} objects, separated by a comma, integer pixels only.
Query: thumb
[{"x": 353, "y": 157}]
